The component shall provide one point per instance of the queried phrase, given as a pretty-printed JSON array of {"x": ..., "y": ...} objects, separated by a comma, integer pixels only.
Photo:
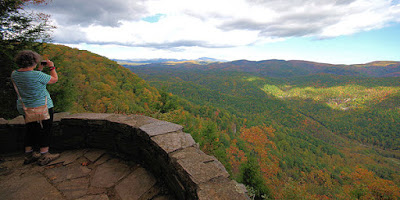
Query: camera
[{"x": 44, "y": 63}]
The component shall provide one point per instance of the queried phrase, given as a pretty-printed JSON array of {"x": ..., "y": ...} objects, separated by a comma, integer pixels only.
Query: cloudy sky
[{"x": 330, "y": 31}]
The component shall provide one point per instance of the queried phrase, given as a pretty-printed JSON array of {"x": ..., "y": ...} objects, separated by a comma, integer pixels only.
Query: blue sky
[
  {"x": 337, "y": 32},
  {"x": 154, "y": 18},
  {"x": 362, "y": 47}
]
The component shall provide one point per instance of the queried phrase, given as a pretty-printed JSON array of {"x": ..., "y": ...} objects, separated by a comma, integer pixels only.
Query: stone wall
[{"x": 162, "y": 147}]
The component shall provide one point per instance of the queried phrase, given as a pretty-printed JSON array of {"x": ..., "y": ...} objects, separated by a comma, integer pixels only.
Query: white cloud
[
  {"x": 169, "y": 32},
  {"x": 360, "y": 16},
  {"x": 205, "y": 24},
  {"x": 87, "y": 12}
]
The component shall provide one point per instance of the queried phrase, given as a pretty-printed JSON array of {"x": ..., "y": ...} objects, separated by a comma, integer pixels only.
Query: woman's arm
[{"x": 53, "y": 73}]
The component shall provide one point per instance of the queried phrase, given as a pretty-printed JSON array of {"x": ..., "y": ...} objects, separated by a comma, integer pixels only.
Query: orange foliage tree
[
  {"x": 258, "y": 141},
  {"x": 235, "y": 156},
  {"x": 363, "y": 184}
]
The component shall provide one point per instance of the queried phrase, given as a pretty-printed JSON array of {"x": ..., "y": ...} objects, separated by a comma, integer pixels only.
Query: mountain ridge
[
  {"x": 291, "y": 68},
  {"x": 167, "y": 60}
]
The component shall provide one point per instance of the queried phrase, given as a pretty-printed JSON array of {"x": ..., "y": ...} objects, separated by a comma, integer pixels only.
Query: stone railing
[{"x": 162, "y": 147}]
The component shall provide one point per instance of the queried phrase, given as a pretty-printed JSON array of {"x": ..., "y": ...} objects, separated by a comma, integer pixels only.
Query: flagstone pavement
[{"x": 85, "y": 174}]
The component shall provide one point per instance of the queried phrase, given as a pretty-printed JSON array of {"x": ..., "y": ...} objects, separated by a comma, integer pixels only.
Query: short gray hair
[{"x": 27, "y": 58}]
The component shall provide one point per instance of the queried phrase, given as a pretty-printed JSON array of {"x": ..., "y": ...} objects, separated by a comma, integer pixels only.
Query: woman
[{"x": 31, "y": 85}]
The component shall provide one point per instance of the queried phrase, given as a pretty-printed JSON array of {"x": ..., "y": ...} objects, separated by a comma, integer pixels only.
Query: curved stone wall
[{"x": 162, "y": 147}]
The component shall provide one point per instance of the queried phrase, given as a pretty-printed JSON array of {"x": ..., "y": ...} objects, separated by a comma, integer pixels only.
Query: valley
[{"x": 326, "y": 119}]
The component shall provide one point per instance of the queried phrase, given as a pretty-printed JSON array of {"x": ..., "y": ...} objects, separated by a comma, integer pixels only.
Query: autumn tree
[
  {"x": 363, "y": 184},
  {"x": 258, "y": 141},
  {"x": 236, "y": 156}
]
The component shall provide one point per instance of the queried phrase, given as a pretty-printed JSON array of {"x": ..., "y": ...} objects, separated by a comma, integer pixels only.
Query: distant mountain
[
  {"x": 202, "y": 60},
  {"x": 210, "y": 59},
  {"x": 281, "y": 68},
  {"x": 292, "y": 68},
  {"x": 147, "y": 61}
]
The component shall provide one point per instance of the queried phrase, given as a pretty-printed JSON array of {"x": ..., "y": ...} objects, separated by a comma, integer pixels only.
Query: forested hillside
[
  {"x": 89, "y": 82},
  {"x": 312, "y": 137},
  {"x": 316, "y": 132}
]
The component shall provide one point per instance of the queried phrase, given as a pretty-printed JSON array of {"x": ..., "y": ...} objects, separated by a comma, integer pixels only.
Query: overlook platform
[
  {"x": 86, "y": 174},
  {"x": 114, "y": 156}
]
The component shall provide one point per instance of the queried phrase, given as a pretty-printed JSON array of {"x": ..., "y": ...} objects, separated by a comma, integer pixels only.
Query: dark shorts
[{"x": 36, "y": 136}]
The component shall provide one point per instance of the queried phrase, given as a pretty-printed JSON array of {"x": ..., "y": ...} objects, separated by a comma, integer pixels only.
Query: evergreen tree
[{"x": 252, "y": 178}]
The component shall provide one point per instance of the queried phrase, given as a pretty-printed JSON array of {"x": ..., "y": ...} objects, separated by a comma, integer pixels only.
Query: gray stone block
[
  {"x": 75, "y": 188},
  {"x": 173, "y": 141},
  {"x": 221, "y": 188},
  {"x": 17, "y": 121},
  {"x": 60, "y": 174},
  {"x": 68, "y": 157},
  {"x": 89, "y": 116},
  {"x": 155, "y": 161},
  {"x": 125, "y": 143},
  {"x": 35, "y": 186},
  {"x": 143, "y": 120},
  {"x": 99, "y": 136},
  {"x": 74, "y": 122},
  {"x": 117, "y": 121},
  {"x": 58, "y": 116},
  {"x": 196, "y": 166},
  {"x": 160, "y": 127},
  {"x": 139, "y": 179},
  {"x": 94, "y": 154},
  {"x": 3, "y": 122},
  {"x": 107, "y": 174},
  {"x": 176, "y": 185},
  {"x": 97, "y": 123},
  {"x": 72, "y": 135}
]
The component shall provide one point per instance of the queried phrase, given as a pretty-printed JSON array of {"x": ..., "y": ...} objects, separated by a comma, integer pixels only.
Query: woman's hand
[
  {"x": 47, "y": 63},
  {"x": 50, "y": 63}
]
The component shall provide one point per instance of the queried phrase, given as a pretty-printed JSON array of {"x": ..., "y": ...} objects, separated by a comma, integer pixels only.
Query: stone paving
[{"x": 86, "y": 174}]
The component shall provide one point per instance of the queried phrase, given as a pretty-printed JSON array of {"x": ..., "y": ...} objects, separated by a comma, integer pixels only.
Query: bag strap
[{"x": 16, "y": 90}]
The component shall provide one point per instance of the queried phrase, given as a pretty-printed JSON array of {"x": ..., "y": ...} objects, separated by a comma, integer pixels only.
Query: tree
[
  {"x": 19, "y": 30},
  {"x": 168, "y": 101},
  {"x": 252, "y": 178}
]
